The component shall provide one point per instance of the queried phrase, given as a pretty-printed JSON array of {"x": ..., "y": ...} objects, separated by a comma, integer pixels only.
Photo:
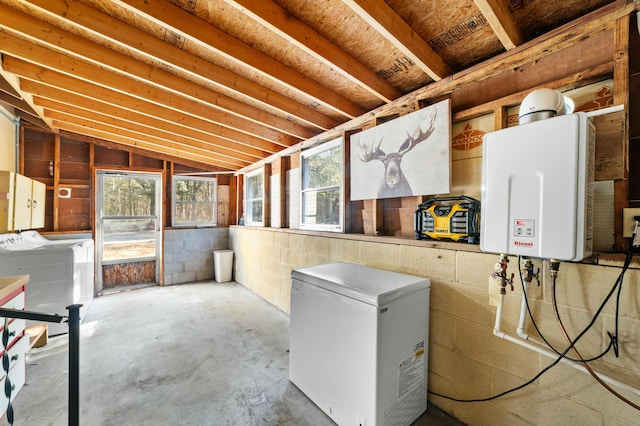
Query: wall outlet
[{"x": 628, "y": 223}]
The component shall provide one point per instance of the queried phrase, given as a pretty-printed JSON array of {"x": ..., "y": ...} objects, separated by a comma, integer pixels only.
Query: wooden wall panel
[
  {"x": 110, "y": 157},
  {"x": 146, "y": 162},
  {"x": 75, "y": 212}
]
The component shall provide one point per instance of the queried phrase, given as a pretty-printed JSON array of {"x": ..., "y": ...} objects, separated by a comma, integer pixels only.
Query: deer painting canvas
[{"x": 406, "y": 156}]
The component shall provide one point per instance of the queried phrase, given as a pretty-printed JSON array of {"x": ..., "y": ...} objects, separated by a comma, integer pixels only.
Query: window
[
  {"x": 194, "y": 201},
  {"x": 321, "y": 187},
  {"x": 255, "y": 198}
]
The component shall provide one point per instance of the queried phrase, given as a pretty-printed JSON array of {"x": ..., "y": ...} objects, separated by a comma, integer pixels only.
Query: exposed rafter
[
  {"x": 229, "y": 83},
  {"x": 199, "y": 31},
  {"x": 59, "y": 86},
  {"x": 380, "y": 16},
  {"x": 156, "y": 49},
  {"x": 153, "y": 84},
  {"x": 296, "y": 32},
  {"x": 501, "y": 22}
]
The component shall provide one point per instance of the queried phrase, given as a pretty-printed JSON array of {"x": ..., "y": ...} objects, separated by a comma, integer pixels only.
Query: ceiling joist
[
  {"x": 201, "y": 32},
  {"x": 379, "y": 15},
  {"x": 227, "y": 84},
  {"x": 156, "y": 49},
  {"x": 115, "y": 105},
  {"x": 502, "y": 22},
  {"x": 296, "y": 32},
  {"x": 153, "y": 84}
]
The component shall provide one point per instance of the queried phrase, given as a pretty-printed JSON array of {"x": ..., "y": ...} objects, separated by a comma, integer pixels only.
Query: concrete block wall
[
  {"x": 466, "y": 360},
  {"x": 188, "y": 253}
]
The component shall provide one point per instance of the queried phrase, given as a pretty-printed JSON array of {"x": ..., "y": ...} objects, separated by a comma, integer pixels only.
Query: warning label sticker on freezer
[{"x": 411, "y": 371}]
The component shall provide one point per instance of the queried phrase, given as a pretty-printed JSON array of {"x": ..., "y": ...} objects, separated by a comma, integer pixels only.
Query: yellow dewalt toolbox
[{"x": 452, "y": 218}]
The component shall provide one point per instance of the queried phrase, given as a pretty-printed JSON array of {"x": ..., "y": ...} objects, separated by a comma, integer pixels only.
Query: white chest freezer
[{"x": 358, "y": 342}]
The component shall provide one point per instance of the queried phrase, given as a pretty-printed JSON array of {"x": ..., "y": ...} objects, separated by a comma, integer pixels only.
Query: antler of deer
[
  {"x": 419, "y": 135},
  {"x": 370, "y": 151}
]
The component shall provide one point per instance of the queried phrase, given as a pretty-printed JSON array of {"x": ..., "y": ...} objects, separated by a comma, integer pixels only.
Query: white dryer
[{"x": 58, "y": 272}]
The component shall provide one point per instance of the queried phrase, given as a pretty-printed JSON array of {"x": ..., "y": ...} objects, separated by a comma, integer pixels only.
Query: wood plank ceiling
[{"x": 226, "y": 83}]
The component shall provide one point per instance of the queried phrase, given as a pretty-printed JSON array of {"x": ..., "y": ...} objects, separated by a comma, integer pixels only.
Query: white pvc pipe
[
  {"x": 523, "y": 313},
  {"x": 542, "y": 351}
]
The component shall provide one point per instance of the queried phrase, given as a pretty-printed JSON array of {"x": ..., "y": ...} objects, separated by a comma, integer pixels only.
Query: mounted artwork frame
[{"x": 407, "y": 156}]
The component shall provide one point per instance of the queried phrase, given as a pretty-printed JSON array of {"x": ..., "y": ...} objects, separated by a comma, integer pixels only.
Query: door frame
[{"x": 97, "y": 220}]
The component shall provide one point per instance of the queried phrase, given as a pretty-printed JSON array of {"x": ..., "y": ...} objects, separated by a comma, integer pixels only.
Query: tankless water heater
[{"x": 537, "y": 189}]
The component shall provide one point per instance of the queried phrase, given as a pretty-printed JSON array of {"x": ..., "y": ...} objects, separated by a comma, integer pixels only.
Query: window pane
[
  {"x": 321, "y": 207},
  {"x": 256, "y": 211},
  {"x": 322, "y": 169},
  {"x": 254, "y": 186},
  {"x": 129, "y": 196},
  {"x": 194, "y": 190},
  {"x": 194, "y": 201},
  {"x": 129, "y": 238},
  {"x": 194, "y": 213}
]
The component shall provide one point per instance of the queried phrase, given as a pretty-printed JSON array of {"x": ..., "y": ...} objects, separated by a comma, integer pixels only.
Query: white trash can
[{"x": 223, "y": 265}]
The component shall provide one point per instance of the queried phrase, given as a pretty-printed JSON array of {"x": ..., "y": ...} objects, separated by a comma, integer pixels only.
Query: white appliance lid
[
  {"x": 369, "y": 285},
  {"x": 36, "y": 238}
]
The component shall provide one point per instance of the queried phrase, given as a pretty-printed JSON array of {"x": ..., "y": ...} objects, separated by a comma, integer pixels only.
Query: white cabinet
[
  {"x": 7, "y": 187},
  {"x": 21, "y": 202}
]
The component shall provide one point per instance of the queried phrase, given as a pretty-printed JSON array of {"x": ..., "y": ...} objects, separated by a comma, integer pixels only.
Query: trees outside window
[
  {"x": 194, "y": 201},
  {"x": 322, "y": 187},
  {"x": 254, "y": 212}
]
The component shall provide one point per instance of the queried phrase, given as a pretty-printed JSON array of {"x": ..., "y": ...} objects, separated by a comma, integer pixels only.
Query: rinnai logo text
[{"x": 523, "y": 243}]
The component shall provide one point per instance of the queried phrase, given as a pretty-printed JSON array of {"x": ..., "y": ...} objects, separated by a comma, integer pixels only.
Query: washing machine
[
  {"x": 84, "y": 261},
  {"x": 60, "y": 272}
]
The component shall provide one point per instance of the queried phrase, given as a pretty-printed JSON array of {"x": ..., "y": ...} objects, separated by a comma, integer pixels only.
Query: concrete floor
[{"x": 195, "y": 354}]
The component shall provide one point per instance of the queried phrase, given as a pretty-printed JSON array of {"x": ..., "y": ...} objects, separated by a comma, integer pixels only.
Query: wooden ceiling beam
[
  {"x": 12, "y": 87},
  {"x": 158, "y": 50},
  {"x": 380, "y": 16},
  {"x": 149, "y": 82},
  {"x": 231, "y": 157},
  {"x": 578, "y": 31},
  {"x": 152, "y": 125},
  {"x": 37, "y": 73},
  {"x": 182, "y": 22},
  {"x": 281, "y": 22},
  {"x": 502, "y": 22},
  {"x": 34, "y": 120},
  {"x": 570, "y": 34},
  {"x": 68, "y": 134},
  {"x": 17, "y": 103},
  {"x": 133, "y": 141},
  {"x": 134, "y": 132},
  {"x": 8, "y": 89},
  {"x": 50, "y": 94},
  {"x": 216, "y": 143}
]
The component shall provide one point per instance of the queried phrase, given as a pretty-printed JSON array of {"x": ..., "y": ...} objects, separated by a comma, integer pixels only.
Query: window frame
[
  {"x": 174, "y": 202},
  {"x": 248, "y": 213},
  {"x": 332, "y": 144}
]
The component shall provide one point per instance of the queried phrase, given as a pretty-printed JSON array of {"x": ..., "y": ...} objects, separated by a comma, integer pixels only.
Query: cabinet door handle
[
  {"x": 35, "y": 203},
  {"x": 28, "y": 203}
]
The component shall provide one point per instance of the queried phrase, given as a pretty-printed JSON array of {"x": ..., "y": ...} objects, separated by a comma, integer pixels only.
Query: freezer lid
[{"x": 373, "y": 286}]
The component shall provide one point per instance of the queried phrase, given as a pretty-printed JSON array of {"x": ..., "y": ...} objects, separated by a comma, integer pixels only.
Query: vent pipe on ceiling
[{"x": 543, "y": 103}]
